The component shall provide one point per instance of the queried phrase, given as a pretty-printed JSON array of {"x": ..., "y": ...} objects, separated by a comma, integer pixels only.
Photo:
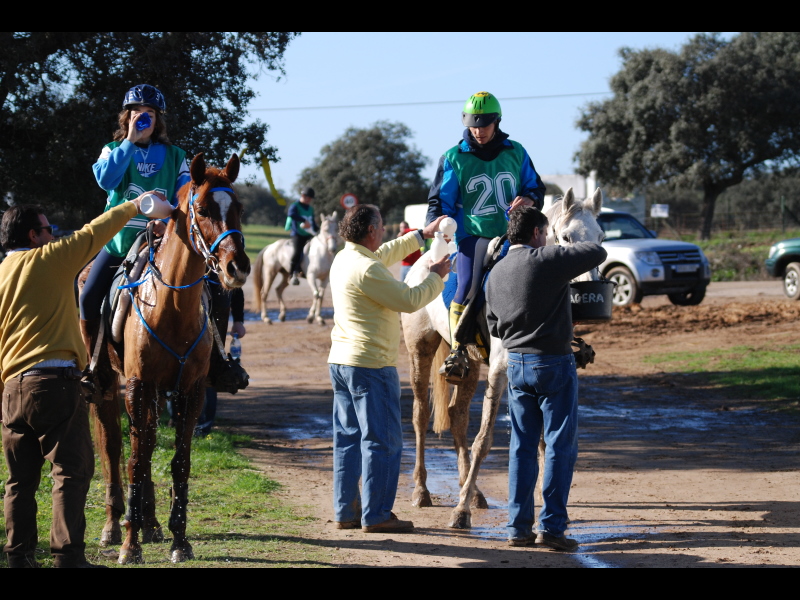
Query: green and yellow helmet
[{"x": 480, "y": 110}]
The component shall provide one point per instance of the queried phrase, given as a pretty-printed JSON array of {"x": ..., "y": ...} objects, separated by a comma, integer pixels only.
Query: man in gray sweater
[{"x": 529, "y": 309}]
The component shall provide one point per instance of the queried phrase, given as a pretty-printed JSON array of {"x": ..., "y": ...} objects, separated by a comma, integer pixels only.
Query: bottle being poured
[{"x": 440, "y": 247}]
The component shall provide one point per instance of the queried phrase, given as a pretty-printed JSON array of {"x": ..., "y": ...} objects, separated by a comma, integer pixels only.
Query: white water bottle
[
  {"x": 439, "y": 249},
  {"x": 236, "y": 347}
]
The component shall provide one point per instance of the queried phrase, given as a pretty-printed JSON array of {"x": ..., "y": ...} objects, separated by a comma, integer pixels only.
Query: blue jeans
[
  {"x": 542, "y": 392},
  {"x": 367, "y": 442}
]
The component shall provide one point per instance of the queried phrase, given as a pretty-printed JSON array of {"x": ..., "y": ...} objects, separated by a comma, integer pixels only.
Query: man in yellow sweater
[
  {"x": 367, "y": 438},
  {"x": 41, "y": 357}
]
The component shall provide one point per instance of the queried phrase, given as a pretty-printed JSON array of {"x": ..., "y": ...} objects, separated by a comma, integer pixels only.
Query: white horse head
[
  {"x": 573, "y": 221},
  {"x": 329, "y": 231}
]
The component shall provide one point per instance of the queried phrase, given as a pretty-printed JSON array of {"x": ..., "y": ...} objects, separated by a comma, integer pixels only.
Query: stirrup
[{"x": 456, "y": 366}]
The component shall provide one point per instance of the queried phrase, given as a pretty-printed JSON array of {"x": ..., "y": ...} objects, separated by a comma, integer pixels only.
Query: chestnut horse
[{"x": 165, "y": 353}]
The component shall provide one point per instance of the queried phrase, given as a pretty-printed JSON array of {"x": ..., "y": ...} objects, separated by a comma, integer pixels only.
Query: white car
[{"x": 643, "y": 265}]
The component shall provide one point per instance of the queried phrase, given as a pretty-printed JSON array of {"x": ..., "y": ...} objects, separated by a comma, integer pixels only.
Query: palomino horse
[
  {"x": 427, "y": 336},
  {"x": 166, "y": 350},
  {"x": 275, "y": 259}
]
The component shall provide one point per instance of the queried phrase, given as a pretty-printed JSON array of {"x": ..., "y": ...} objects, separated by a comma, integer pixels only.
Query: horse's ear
[
  {"x": 198, "y": 169},
  {"x": 231, "y": 170},
  {"x": 597, "y": 202},
  {"x": 569, "y": 199}
]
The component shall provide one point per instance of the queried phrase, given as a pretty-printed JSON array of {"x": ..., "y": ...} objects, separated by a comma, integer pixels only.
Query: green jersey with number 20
[{"x": 487, "y": 188}]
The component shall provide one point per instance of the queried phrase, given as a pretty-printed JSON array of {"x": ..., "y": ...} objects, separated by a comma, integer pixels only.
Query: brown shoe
[
  {"x": 523, "y": 541},
  {"x": 354, "y": 524},
  {"x": 390, "y": 525},
  {"x": 556, "y": 542}
]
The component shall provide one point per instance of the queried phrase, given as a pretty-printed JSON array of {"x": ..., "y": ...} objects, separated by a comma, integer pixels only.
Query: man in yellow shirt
[
  {"x": 41, "y": 357},
  {"x": 367, "y": 438}
]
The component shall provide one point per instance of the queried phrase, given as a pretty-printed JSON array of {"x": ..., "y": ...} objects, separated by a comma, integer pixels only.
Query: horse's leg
[
  {"x": 421, "y": 352},
  {"x": 279, "y": 292},
  {"x": 108, "y": 437},
  {"x": 321, "y": 285},
  {"x": 151, "y": 528},
  {"x": 269, "y": 277},
  {"x": 143, "y": 441},
  {"x": 190, "y": 402},
  {"x": 311, "y": 278},
  {"x": 459, "y": 421},
  {"x": 495, "y": 386}
]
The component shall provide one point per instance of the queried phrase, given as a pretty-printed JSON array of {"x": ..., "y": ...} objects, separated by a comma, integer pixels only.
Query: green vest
[
  {"x": 487, "y": 188},
  {"x": 306, "y": 211},
  {"x": 134, "y": 185}
]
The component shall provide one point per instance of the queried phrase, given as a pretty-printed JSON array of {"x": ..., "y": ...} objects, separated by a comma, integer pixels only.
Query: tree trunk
[{"x": 710, "y": 195}]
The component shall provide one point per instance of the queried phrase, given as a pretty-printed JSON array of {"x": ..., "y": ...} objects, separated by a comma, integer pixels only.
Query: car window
[{"x": 622, "y": 227}]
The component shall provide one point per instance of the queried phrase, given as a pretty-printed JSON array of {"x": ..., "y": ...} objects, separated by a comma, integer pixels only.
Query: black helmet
[
  {"x": 145, "y": 95},
  {"x": 307, "y": 191}
]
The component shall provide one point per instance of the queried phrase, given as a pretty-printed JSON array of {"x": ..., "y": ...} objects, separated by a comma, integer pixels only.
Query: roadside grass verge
[
  {"x": 768, "y": 374},
  {"x": 258, "y": 236},
  {"x": 235, "y": 518}
]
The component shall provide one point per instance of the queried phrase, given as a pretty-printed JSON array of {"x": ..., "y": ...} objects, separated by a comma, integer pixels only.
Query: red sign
[{"x": 348, "y": 201}]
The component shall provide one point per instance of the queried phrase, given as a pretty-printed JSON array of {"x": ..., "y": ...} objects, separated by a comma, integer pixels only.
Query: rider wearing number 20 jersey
[{"x": 476, "y": 183}]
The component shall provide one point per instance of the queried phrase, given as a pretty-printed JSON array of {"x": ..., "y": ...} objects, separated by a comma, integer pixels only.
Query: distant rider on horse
[{"x": 478, "y": 181}]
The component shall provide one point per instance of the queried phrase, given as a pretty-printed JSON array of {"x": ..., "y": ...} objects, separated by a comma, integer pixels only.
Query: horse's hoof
[
  {"x": 267, "y": 320},
  {"x": 180, "y": 555},
  {"x": 321, "y": 321},
  {"x": 421, "y": 499},
  {"x": 152, "y": 535},
  {"x": 111, "y": 535},
  {"x": 479, "y": 501},
  {"x": 309, "y": 320},
  {"x": 129, "y": 556},
  {"x": 282, "y": 318},
  {"x": 461, "y": 520}
]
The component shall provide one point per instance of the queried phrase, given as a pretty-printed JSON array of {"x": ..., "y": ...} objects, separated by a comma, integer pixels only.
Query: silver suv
[{"x": 643, "y": 265}]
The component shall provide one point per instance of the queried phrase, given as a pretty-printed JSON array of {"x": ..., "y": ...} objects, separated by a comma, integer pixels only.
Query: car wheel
[
  {"x": 791, "y": 281},
  {"x": 627, "y": 291},
  {"x": 690, "y": 298}
]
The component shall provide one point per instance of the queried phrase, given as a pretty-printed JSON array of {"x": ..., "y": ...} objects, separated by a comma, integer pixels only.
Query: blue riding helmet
[{"x": 145, "y": 95}]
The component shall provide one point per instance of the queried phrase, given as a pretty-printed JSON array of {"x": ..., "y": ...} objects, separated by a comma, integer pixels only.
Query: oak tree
[{"x": 706, "y": 116}]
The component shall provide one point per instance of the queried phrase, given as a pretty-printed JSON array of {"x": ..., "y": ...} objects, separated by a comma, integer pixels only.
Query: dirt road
[{"x": 671, "y": 472}]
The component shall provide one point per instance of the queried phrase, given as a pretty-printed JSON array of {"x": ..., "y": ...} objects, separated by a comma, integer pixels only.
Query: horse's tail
[
  {"x": 258, "y": 279},
  {"x": 441, "y": 400}
]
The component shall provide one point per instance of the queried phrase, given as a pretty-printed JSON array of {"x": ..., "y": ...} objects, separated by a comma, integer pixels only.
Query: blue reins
[{"x": 204, "y": 251}]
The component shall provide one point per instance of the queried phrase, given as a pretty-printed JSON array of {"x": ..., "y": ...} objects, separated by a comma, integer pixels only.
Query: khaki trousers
[{"x": 45, "y": 418}]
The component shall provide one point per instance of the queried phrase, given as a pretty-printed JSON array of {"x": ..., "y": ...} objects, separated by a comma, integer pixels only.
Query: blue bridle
[{"x": 204, "y": 250}]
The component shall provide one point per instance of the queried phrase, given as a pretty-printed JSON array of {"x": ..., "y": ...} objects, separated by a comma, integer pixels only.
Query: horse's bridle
[{"x": 200, "y": 245}]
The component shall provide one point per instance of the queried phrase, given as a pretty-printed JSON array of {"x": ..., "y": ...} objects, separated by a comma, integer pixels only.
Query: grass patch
[
  {"x": 258, "y": 236},
  {"x": 740, "y": 256},
  {"x": 235, "y": 517},
  {"x": 755, "y": 373}
]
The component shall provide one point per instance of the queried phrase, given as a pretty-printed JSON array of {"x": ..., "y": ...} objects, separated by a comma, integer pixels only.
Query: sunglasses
[{"x": 49, "y": 229}]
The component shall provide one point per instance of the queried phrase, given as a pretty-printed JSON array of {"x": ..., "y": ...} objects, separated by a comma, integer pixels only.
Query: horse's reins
[{"x": 201, "y": 247}]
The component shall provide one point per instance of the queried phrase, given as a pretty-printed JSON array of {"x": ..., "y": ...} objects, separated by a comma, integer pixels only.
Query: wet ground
[{"x": 671, "y": 471}]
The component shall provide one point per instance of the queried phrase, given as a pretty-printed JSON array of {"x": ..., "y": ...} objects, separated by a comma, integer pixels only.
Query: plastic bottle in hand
[
  {"x": 236, "y": 348},
  {"x": 439, "y": 249}
]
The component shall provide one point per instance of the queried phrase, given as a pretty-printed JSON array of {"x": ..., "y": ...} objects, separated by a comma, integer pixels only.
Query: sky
[{"x": 345, "y": 69}]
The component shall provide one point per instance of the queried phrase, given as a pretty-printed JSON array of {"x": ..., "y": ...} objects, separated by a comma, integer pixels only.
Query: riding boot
[
  {"x": 89, "y": 330},
  {"x": 456, "y": 365}
]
